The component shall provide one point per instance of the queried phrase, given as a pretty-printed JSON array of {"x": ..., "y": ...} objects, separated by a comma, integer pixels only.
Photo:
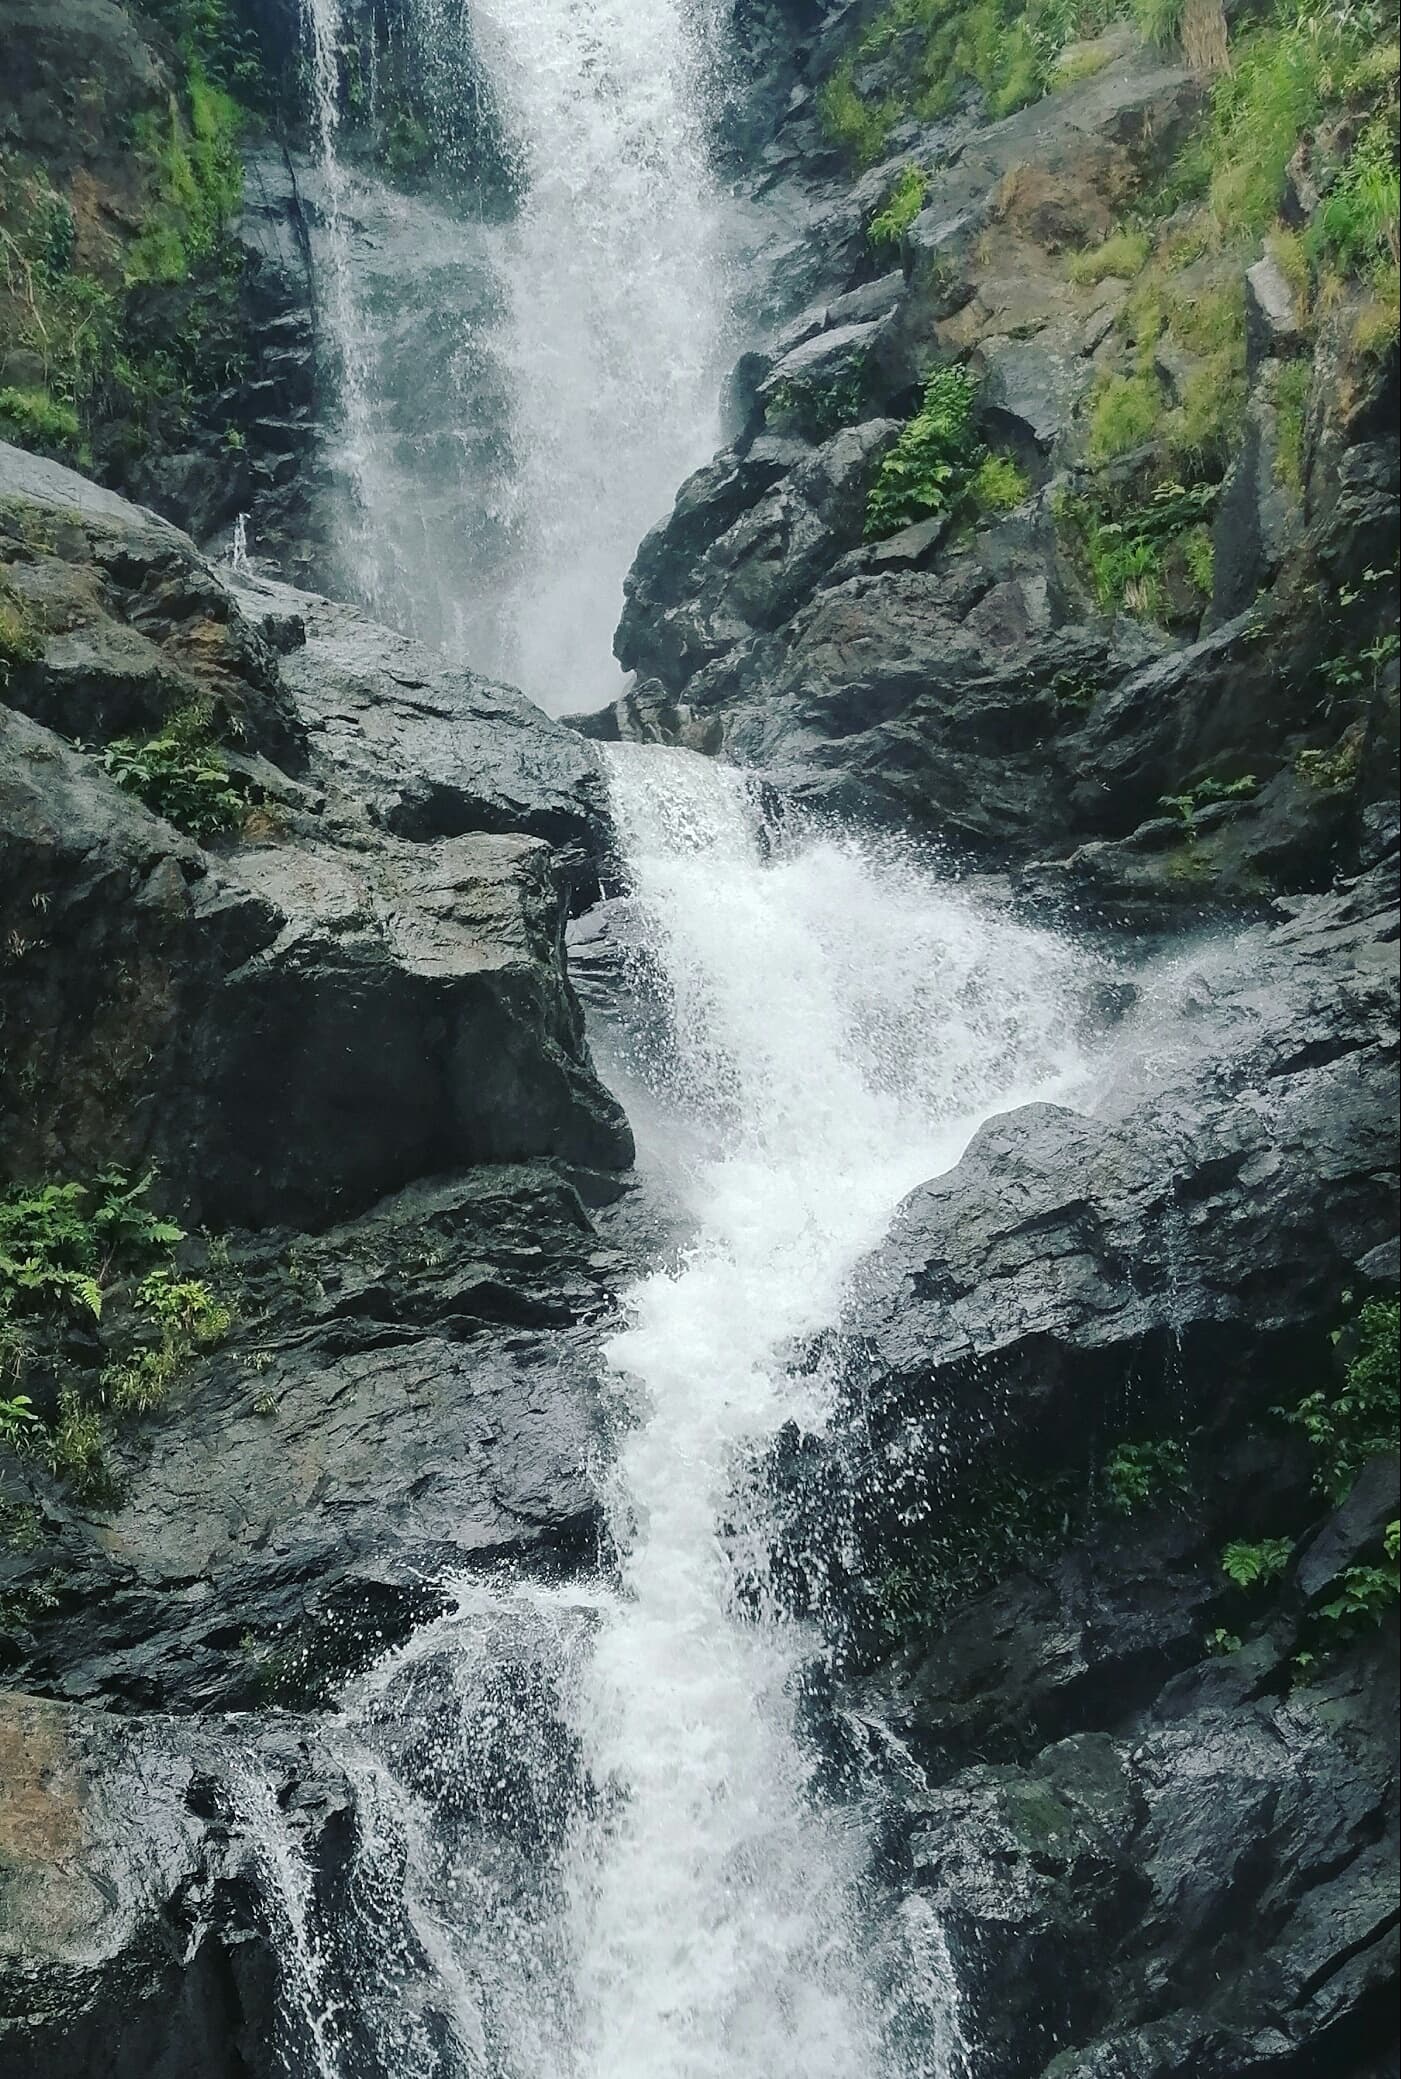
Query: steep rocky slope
[{"x": 1102, "y": 1540}]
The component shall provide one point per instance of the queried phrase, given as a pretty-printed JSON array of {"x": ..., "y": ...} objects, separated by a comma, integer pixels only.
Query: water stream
[
  {"x": 594, "y": 1838},
  {"x": 521, "y": 391}
]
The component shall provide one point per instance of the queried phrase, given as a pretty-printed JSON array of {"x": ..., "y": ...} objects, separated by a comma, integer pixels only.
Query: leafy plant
[
  {"x": 1206, "y": 793},
  {"x": 20, "y": 640},
  {"x": 998, "y": 485},
  {"x": 1221, "y": 1642},
  {"x": 32, "y": 418},
  {"x": 1359, "y": 223},
  {"x": 1137, "y": 1476},
  {"x": 18, "y": 1421},
  {"x": 181, "y": 775},
  {"x": 1353, "y": 1422},
  {"x": 1255, "y": 1566},
  {"x": 902, "y": 205},
  {"x": 1365, "y": 1594},
  {"x": 1291, "y": 399},
  {"x": 933, "y": 461}
]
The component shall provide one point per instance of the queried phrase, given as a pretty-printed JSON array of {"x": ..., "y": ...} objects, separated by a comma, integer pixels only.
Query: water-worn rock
[
  {"x": 378, "y": 957},
  {"x": 1195, "y": 1875},
  {"x": 141, "y": 1931}
]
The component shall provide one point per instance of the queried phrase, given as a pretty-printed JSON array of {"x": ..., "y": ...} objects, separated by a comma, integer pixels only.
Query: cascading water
[
  {"x": 523, "y": 388},
  {"x": 595, "y": 1841},
  {"x": 616, "y": 298}
]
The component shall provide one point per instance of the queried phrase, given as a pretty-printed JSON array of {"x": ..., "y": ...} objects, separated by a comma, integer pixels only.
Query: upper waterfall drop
[
  {"x": 616, "y": 298},
  {"x": 523, "y": 379}
]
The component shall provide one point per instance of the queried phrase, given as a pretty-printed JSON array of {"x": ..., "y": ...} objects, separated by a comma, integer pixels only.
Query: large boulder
[{"x": 378, "y": 956}]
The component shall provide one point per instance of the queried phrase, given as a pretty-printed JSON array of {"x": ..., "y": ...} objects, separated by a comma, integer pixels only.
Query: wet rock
[
  {"x": 381, "y": 960},
  {"x": 1272, "y": 325}
]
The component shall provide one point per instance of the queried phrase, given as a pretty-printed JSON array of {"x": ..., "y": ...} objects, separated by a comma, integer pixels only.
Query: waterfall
[
  {"x": 521, "y": 393},
  {"x": 595, "y": 1838},
  {"x": 614, "y": 273}
]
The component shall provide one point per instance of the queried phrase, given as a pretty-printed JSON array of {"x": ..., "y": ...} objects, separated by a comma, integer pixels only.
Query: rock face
[
  {"x": 381, "y": 960},
  {"x": 1149, "y": 1860},
  {"x": 971, "y": 675}
]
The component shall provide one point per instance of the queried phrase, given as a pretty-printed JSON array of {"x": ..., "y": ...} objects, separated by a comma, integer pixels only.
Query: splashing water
[
  {"x": 839, "y": 1024},
  {"x": 595, "y": 1840}
]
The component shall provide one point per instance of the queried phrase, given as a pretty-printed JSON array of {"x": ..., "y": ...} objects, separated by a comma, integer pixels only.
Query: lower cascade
[{"x": 817, "y": 1021}]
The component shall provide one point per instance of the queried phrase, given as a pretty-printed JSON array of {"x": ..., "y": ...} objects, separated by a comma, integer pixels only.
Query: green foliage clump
[
  {"x": 34, "y": 419},
  {"x": 1354, "y": 1421},
  {"x": 1291, "y": 400},
  {"x": 1130, "y": 557},
  {"x": 1359, "y": 224},
  {"x": 1255, "y": 1566},
  {"x": 902, "y": 205},
  {"x": 20, "y": 639},
  {"x": 932, "y": 463},
  {"x": 1137, "y": 1476},
  {"x": 66, "y": 1251},
  {"x": 199, "y": 181},
  {"x": 1366, "y": 1593},
  {"x": 1206, "y": 793},
  {"x": 997, "y": 485},
  {"x": 1127, "y": 413},
  {"x": 939, "y": 49},
  {"x": 816, "y": 409},
  {"x": 1159, "y": 21},
  {"x": 180, "y": 774},
  {"x": 1124, "y": 253}
]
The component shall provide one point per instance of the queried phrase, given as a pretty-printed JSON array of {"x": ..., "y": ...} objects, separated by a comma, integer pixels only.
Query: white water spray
[
  {"x": 617, "y": 308},
  {"x": 840, "y": 1023},
  {"x": 521, "y": 394}
]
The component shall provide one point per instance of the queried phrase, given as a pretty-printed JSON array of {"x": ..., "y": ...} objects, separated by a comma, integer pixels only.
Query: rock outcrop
[{"x": 1155, "y": 1810}]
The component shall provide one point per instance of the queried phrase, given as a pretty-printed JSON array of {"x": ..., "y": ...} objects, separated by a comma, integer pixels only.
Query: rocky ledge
[
  {"x": 1095, "y": 1594},
  {"x": 331, "y": 1013}
]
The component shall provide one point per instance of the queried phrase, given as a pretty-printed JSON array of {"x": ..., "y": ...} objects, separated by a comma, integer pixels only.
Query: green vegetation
[
  {"x": 902, "y": 205},
  {"x": 31, "y": 418},
  {"x": 95, "y": 1257},
  {"x": 1255, "y": 1566},
  {"x": 937, "y": 50},
  {"x": 1124, "y": 253},
  {"x": 997, "y": 485},
  {"x": 198, "y": 180},
  {"x": 817, "y": 409},
  {"x": 1138, "y": 1476},
  {"x": 20, "y": 640},
  {"x": 1127, "y": 413},
  {"x": 180, "y": 774},
  {"x": 1135, "y": 556},
  {"x": 1291, "y": 408},
  {"x": 1206, "y": 793},
  {"x": 931, "y": 462},
  {"x": 1360, "y": 1417}
]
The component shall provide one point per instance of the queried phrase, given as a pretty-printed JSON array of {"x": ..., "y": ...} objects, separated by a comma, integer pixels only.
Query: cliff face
[
  {"x": 1058, "y": 524},
  {"x": 1064, "y": 498}
]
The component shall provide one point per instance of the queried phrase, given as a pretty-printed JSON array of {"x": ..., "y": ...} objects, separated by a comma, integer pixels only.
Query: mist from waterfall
[{"x": 521, "y": 390}]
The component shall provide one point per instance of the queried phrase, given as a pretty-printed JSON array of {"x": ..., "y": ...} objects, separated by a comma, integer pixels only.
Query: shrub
[
  {"x": 931, "y": 464},
  {"x": 1360, "y": 221},
  {"x": 997, "y": 485},
  {"x": 32, "y": 418},
  {"x": 20, "y": 640},
  {"x": 902, "y": 205},
  {"x": 1124, "y": 253},
  {"x": 1357, "y": 1420},
  {"x": 181, "y": 775},
  {"x": 1159, "y": 21},
  {"x": 1127, "y": 412},
  {"x": 1137, "y": 1476}
]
